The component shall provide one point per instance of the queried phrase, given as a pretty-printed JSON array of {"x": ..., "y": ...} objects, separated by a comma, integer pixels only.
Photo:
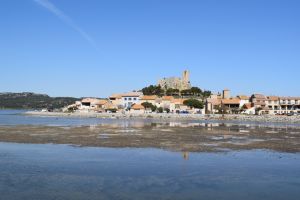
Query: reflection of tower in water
[
  {"x": 185, "y": 155},
  {"x": 184, "y": 163}
]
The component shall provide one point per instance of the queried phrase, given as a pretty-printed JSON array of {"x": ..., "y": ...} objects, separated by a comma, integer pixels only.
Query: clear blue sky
[{"x": 96, "y": 47}]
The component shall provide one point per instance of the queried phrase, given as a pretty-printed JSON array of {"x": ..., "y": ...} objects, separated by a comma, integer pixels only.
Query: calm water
[
  {"x": 16, "y": 117},
  {"x": 65, "y": 172},
  {"x": 50, "y": 171}
]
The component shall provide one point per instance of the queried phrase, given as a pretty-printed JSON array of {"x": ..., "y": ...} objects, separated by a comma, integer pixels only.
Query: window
[
  {"x": 125, "y": 99},
  {"x": 129, "y": 99},
  {"x": 134, "y": 99}
]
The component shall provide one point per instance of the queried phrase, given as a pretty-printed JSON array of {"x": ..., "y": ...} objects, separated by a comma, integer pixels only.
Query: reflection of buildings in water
[
  {"x": 93, "y": 127},
  {"x": 202, "y": 124},
  {"x": 194, "y": 124},
  {"x": 243, "y": 131},
  {"x": 174, "y": 124},
  {"x": 184, "y": 125},
  {"x": 185, "y": 155},
  {"x": 210, "y": 126}
]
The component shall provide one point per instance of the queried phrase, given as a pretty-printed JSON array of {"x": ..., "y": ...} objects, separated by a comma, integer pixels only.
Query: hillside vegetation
[{"x": 29, "y": 100}]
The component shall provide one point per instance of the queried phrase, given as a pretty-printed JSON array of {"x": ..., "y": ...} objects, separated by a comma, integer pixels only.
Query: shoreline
[{"x": 171, "y": 116}]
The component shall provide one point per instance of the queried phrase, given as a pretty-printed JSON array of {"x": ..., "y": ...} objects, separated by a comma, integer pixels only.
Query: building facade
[
  {"x": 128, "y": 99},
  {"x": 289, "y": 105}
]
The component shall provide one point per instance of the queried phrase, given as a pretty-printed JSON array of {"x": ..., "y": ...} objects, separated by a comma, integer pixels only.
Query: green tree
[
  {"x": 194, "y": 103},
  {"x": 167, "y": 110},
  {"x": 148, "y": 105},
  {"x": 153, "y": 90},
  {"x": 160, "y": 110},
  {"x": 172, "y": 92},
  {"x": 187, "y": 92},
  {"x": 206, "y": 93},
  {"x": 196, "y": 91}
]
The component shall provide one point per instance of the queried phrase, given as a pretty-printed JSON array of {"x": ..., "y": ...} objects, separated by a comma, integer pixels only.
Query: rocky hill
[{"x": 29, "y": 100}]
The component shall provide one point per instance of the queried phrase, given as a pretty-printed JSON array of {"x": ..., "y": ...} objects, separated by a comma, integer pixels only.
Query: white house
[
  {"x": 128, "y": 99},
  {"x": 243, "y": 100}
]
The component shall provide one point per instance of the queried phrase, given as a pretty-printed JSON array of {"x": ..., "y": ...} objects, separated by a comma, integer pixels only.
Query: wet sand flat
[{"x": 192, "y": 137}]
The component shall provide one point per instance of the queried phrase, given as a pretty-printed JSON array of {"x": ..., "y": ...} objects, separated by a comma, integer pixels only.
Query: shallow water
[
  {"x": 51, "y": 171},
  {"x": 66, "y": 172},
  {"x": 17, "y": 117}
]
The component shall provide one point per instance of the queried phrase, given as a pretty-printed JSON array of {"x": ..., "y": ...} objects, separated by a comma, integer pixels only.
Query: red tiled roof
[
  {"x": 231, "y": 101},
  {"x": 167, "y": 98},
  {"x": 88, "y": 100},
  {"x": 243, "y": 97},
  {"x": 289, "y": 98},
  {"x": 247, "y": 105},
  {"x": 137, "y": 107},
  {"x": 214, "y": 101},
  {"x": 132, "y": 94},
  {"x": 273, "y": 98},
  {"x": 178, "y": 101},
  {"x": 149, "y": 97}
]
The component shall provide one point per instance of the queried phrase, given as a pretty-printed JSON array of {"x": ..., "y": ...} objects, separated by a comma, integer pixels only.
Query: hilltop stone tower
[
  {"x": 186, "y": 84},
  {"x": 186, "y": 76},
  {"x": 176, "y": 82}
]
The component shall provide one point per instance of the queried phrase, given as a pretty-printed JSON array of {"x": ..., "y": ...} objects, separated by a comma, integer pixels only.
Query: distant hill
[{"x": 29, "y": 100}]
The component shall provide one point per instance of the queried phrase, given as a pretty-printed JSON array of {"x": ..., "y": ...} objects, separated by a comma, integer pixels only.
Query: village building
[
  {"x": 125, "y": 100},
  {"x": 216, "y": 101},
  {"x": 273, "y": 104},
  {"x": 258, "y": 100},
  {"x": 243, "y": 100},
  {"x": 116, "y": 100},
  {"x": 91, "y": 104},
  {"x": 149, "y": 99},
  {"x": 109, "y": 107},
  {"x": 176, "y": 82},
  {"x": 248, "y": 109},
  {"x": 212, "y": 105},
  {"x": 265, "y": 104},
  {"x": 226, "y": 94},
  {"x": 177, "y": 106},
  {"x": 233, "y": 104},
  {"x": 131, "y": 102},
  {"x": 289, "y": 105},
  {"x": 137, "y": 109},
  {"x": 130, "y": 98},
  {"x": 166, "y": 102}
]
